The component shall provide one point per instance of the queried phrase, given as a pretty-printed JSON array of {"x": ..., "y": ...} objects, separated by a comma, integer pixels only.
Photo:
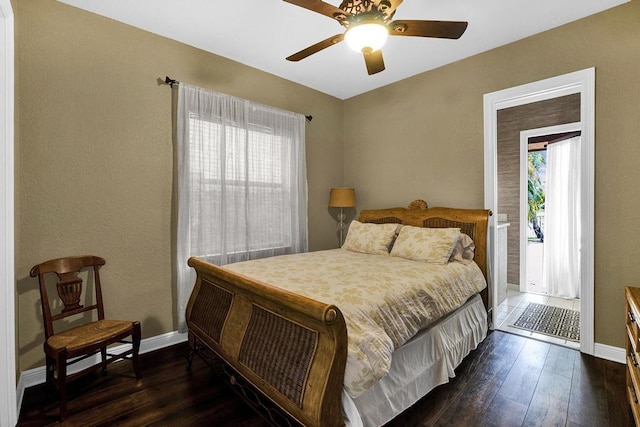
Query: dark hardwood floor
[{"x": 508, "y": 381}]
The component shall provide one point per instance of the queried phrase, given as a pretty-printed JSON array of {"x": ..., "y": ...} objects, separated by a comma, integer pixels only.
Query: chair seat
[{"x": 86, "y": 335}]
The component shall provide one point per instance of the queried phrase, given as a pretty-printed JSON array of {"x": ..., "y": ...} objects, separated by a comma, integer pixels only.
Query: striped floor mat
[{"x": 553, "y": 321}]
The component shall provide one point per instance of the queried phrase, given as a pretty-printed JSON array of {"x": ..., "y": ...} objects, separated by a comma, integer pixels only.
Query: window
[
  {"x": 251, "y": 176},
  {"x": 242, "y": 190}
]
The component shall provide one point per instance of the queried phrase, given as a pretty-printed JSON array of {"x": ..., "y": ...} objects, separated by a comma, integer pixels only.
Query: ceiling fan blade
[
  {"x": 322, "y": 8},
  {"x": 374, "y": 61},
  {"x": 316, "y": 47},
  {"x": 438, "y": 29}
]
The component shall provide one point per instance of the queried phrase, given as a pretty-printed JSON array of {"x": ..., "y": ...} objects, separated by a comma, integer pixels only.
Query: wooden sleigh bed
[{"x": 284, "y": 352}]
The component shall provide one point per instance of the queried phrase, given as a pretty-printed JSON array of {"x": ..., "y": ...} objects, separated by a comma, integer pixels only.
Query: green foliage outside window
[{"x": 535, "y": 186}]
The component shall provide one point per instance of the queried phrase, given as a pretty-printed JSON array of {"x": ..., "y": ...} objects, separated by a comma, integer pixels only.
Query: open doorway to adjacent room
[
  {"x": 560, "y": 106},
  {"x": 550, "y": 236}
]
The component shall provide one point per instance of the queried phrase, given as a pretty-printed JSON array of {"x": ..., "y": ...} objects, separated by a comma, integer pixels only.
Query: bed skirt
[{"x": 426, "y": 361}]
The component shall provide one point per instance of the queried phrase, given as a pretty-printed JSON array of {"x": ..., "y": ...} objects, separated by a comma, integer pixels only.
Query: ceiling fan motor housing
[{"x": 358, "y": 11}]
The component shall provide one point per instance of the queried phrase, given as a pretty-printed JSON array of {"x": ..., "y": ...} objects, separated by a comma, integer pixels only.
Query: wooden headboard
[{"x": 473, "y": 222}]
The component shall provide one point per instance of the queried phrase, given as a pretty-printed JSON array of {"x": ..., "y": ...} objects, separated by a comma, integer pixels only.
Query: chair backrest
[{"x": 69, "y": 287}]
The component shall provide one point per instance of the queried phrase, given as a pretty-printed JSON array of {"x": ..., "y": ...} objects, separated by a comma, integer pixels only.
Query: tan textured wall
[
  {"x": 95, "y": 156},
  {"x": 423, "y": 137},
  {"x": 419, "y": 138}
]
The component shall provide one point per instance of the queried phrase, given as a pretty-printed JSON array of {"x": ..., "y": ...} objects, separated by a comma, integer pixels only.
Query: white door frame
[
  {"x": 8, "y": 402},
  {"x": 524, "y": 194},
  {"x": 582, "y": 82}
]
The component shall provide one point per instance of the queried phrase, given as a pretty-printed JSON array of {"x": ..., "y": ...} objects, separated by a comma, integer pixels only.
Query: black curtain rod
[{"x": 168, "y": 80}]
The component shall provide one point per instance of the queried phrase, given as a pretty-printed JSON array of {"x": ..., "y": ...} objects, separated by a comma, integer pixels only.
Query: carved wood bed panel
[{"x": 291, "y": 348}]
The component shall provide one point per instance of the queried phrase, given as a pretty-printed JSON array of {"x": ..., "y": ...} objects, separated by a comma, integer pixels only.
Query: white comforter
[{"x": 385, "y": 300}]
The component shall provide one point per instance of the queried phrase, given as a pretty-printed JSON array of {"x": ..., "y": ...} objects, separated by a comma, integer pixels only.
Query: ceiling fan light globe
[{"x": 366, "y": 36}]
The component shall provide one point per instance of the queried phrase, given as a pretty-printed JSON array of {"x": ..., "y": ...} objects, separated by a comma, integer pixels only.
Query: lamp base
[{"x": 341, "y": 218}]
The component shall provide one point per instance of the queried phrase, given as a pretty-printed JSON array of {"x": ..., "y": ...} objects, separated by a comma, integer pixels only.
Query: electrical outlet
[{"x": 502, "y": 217}]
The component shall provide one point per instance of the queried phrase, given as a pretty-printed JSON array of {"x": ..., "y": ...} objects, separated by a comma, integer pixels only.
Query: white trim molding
[
  {"x": 582, "y": 82},
  {"x": 608, "y": 352},
  {"x": 37, "y": 376},
  {"x": 8, "y": 402}
]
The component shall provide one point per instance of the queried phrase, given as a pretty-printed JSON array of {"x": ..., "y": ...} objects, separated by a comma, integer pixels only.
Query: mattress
[{"x": 385, "y": 300}]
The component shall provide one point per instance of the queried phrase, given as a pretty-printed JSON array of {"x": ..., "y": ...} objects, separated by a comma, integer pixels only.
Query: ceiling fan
[{"x": 368, "y": 23}]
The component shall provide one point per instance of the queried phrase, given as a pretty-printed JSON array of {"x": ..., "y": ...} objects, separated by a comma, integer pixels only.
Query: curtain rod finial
[
  {"x": 168, "y": 80},
  {"x": 309, "y": 117}
]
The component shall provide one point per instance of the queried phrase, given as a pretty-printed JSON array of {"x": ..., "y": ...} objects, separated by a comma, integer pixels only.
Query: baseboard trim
[
  {"x": 608, "y": 352},
  {"x": 513, "y": 287},
  {"x": 37, "y": 376}
]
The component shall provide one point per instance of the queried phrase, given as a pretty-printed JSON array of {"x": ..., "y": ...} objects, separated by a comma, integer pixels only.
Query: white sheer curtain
[
  {"x": 242, "y": 190},
  {"x": 561, "y": 259}
]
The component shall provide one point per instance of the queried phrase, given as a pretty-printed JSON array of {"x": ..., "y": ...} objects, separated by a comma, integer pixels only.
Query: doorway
[
  {"x": 550, "y": 267},
  {"x": 582, "y": 83},
  {"x": 549, "y": 240}
]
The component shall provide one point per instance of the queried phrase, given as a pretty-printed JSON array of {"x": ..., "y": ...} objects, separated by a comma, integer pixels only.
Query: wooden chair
[{"x": 73, "y": 345}]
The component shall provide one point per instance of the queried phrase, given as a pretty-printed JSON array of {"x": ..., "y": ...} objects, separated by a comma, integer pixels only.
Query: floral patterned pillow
[
  {"x": 432, "y": 245},
  {"x": 369, "y": 238}
]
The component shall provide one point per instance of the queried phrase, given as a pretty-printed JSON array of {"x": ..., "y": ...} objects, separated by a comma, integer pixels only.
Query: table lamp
[{"x": 342, "y": 198}]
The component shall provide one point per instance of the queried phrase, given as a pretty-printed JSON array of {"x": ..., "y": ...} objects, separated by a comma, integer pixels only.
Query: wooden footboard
[{"x": 291, "y": 348}]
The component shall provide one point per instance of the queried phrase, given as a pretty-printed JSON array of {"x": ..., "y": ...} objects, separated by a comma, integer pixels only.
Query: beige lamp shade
[{"x": 342, "y": 198}]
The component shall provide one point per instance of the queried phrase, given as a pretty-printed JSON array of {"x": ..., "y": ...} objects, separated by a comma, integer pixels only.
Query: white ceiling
[{"x": 262, "y": 33}]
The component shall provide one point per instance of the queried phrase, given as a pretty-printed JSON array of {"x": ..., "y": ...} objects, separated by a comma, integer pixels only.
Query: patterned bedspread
[{"x": 385, "y": 300}]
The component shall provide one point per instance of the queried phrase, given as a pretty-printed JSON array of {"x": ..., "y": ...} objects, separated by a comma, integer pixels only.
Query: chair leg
[
  {"x": 135, "y": 338},
  {"x": 103, "y": 355},
  {"x": 61, "y": 369},
  {"x": 50, "y": 364}
]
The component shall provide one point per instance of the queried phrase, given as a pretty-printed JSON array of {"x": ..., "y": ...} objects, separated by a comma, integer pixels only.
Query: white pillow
[
  {"x": 432, "y": 245},
  {"x": 369, "y": 238},
  {"x": 464, "y": 250}
]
